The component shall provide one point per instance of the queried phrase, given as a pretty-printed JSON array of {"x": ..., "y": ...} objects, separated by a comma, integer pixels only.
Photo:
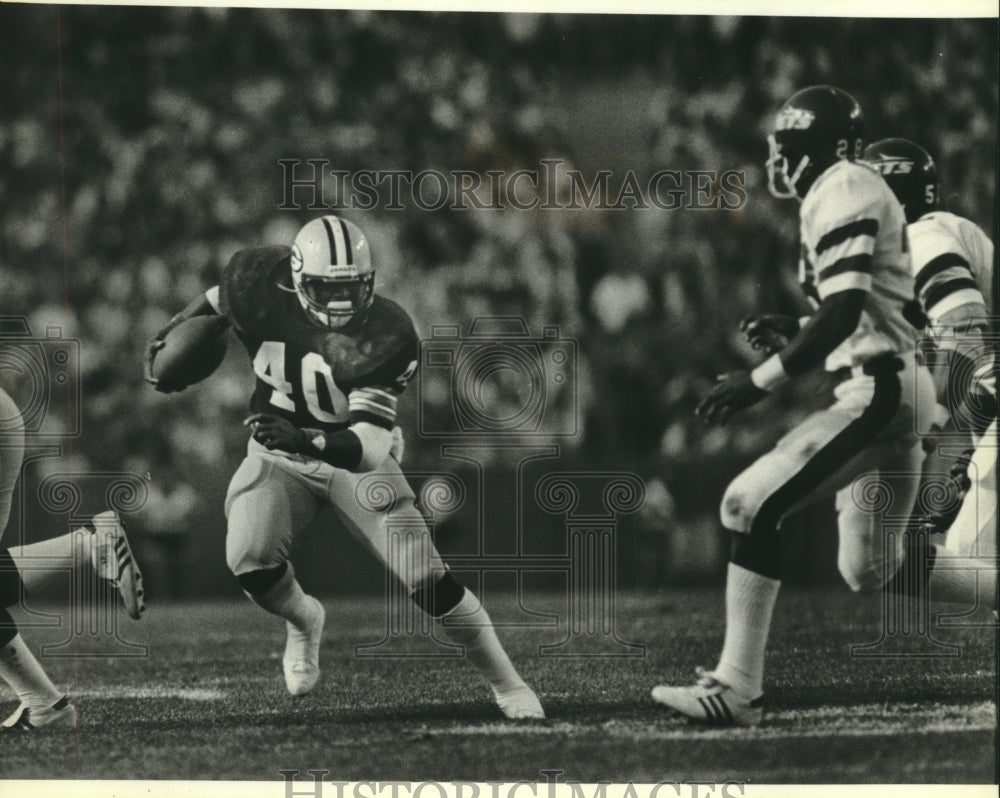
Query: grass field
[{"x": 208, "y": 702}]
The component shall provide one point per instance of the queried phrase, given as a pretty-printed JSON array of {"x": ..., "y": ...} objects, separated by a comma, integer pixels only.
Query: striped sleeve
[
  {"x": 844, "y": 256},
  {"x": 944, "y": 283},
  {"x": 374, "y": 405},
  {"x": 374, "y": 400}
]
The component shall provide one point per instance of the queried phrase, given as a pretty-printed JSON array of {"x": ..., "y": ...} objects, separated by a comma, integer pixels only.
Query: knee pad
[
  {"x": 8, "y": 629},
  {"x": 734, "y": 512},
  {"x": 260, "y": 581},
  {"x": 439, "y": 599},
  {"x": 749, "y": 493},
  {"x": 10, "y": 580}
]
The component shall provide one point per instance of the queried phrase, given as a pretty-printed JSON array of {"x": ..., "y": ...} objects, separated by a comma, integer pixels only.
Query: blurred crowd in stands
[{"x": 140, "y": 148}]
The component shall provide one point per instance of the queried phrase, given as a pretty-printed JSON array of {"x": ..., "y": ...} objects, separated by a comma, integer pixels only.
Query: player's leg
[
  {"x": 41, "y": 703},
  {"x": 913, "y": 566},
  {"x": 397, "y": 534},
  {"x": 101, "y": 543},
  {"x": 974, "y": 531},
  {"x": 807, "y": 464},
  {"x": 266, "y": 504}
]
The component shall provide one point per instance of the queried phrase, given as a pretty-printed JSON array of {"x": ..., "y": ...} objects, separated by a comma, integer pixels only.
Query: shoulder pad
[
  {"x": 379, "y": 350},
  {"x": 249, "y": 283}
]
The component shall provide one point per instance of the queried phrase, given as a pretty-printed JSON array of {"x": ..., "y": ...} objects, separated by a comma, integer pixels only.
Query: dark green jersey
[{"x": 315, "y": 377}]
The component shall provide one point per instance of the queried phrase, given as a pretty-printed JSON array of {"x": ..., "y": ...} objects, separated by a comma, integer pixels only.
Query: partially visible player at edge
[
  {"x": 100, "y": 544},
  {"x": 331, "y": 357},
  {"x": 855, "y": 271},
  {"x": 953, "y": 285}
]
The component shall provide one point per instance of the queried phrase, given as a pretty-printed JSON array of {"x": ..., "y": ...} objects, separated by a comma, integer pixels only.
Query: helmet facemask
[
  {"x": 332, "y": 272},
  {"x": 777, "y": 168},
  {"x": 334, "y": 301}
]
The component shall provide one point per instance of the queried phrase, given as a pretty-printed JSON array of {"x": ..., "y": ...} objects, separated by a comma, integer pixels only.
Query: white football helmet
[{"x": 332, "y": 270}]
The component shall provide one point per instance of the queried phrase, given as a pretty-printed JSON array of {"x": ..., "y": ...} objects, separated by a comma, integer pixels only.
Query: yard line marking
[
  {"x": 870, "y": 720},
  {"x": 183, "y": 693}
]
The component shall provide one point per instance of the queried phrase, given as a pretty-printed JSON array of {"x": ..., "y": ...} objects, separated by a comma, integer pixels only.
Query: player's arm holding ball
[{"x": 204, "y": 336}]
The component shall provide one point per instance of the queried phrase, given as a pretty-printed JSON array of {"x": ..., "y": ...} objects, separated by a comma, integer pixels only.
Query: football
[{"x": 191, "y": 351}]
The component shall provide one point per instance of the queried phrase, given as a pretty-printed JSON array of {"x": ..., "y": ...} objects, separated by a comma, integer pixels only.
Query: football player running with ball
[
  {"x": 855, "y": 271},
  {"x": 331, "y": 357},
  {"x": 953, "y": 286}
]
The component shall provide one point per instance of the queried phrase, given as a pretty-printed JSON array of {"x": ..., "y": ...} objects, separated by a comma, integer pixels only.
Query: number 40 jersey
[{"x": 315, "y": 377}]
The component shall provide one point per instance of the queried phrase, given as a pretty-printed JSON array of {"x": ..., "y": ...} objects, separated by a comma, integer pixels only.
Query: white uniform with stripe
[
  {"x": 866, "y": 443},
  {"x": 953, "y": 281}
]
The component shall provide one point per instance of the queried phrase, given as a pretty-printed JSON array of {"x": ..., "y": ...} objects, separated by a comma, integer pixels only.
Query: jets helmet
[
  {"x": 910, "y": 172},
  {"x": 332, "y": 271},
  {"x": 814, "y": 129}
]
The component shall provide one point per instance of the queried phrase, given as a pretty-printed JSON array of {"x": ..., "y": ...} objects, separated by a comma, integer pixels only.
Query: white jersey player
[
  {"x": 856, "y": 272},
  {"x": 953, "y": 289}
]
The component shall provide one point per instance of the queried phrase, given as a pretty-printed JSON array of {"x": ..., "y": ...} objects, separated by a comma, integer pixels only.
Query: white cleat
[
  {"x": 61, "y": 715},
  {"x": 521, "y": 703},
  {"x": 301, "y": 660},
  {"x": 710, "y": 701},
  {"x": 114, "y": 562}
]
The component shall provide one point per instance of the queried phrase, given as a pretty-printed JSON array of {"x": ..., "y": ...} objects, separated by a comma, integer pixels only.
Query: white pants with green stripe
[{"x": 865, "y": 449}]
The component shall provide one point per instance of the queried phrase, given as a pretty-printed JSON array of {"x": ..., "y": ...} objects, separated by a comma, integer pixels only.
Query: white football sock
[
  {"x": 469, "y": 624},
  {"x": 750, "y": 601},
  {"x": 287, "y": 600},
  {"x": 43, "y": 562},
  {"x": 963, "y": 580},
  {"x": 24, "y": 673}
]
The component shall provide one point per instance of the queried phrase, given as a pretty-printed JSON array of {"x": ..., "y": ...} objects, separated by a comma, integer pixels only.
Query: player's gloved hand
[
  {"x": 942, "y": 519},
  {"x": 960, "y": 470},
  {"x": 398, "y": 445},
  {"x": 733, "y": 391},
  {"x": 277, "y": 433},
  {"x": 769, "y": 333}
]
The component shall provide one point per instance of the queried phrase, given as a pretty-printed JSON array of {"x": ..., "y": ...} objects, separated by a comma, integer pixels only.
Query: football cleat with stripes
[
  {"x": 710, "y": 701},
  {"x": 61, "y": 715},
  {"x": 114, "y": 562}
]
